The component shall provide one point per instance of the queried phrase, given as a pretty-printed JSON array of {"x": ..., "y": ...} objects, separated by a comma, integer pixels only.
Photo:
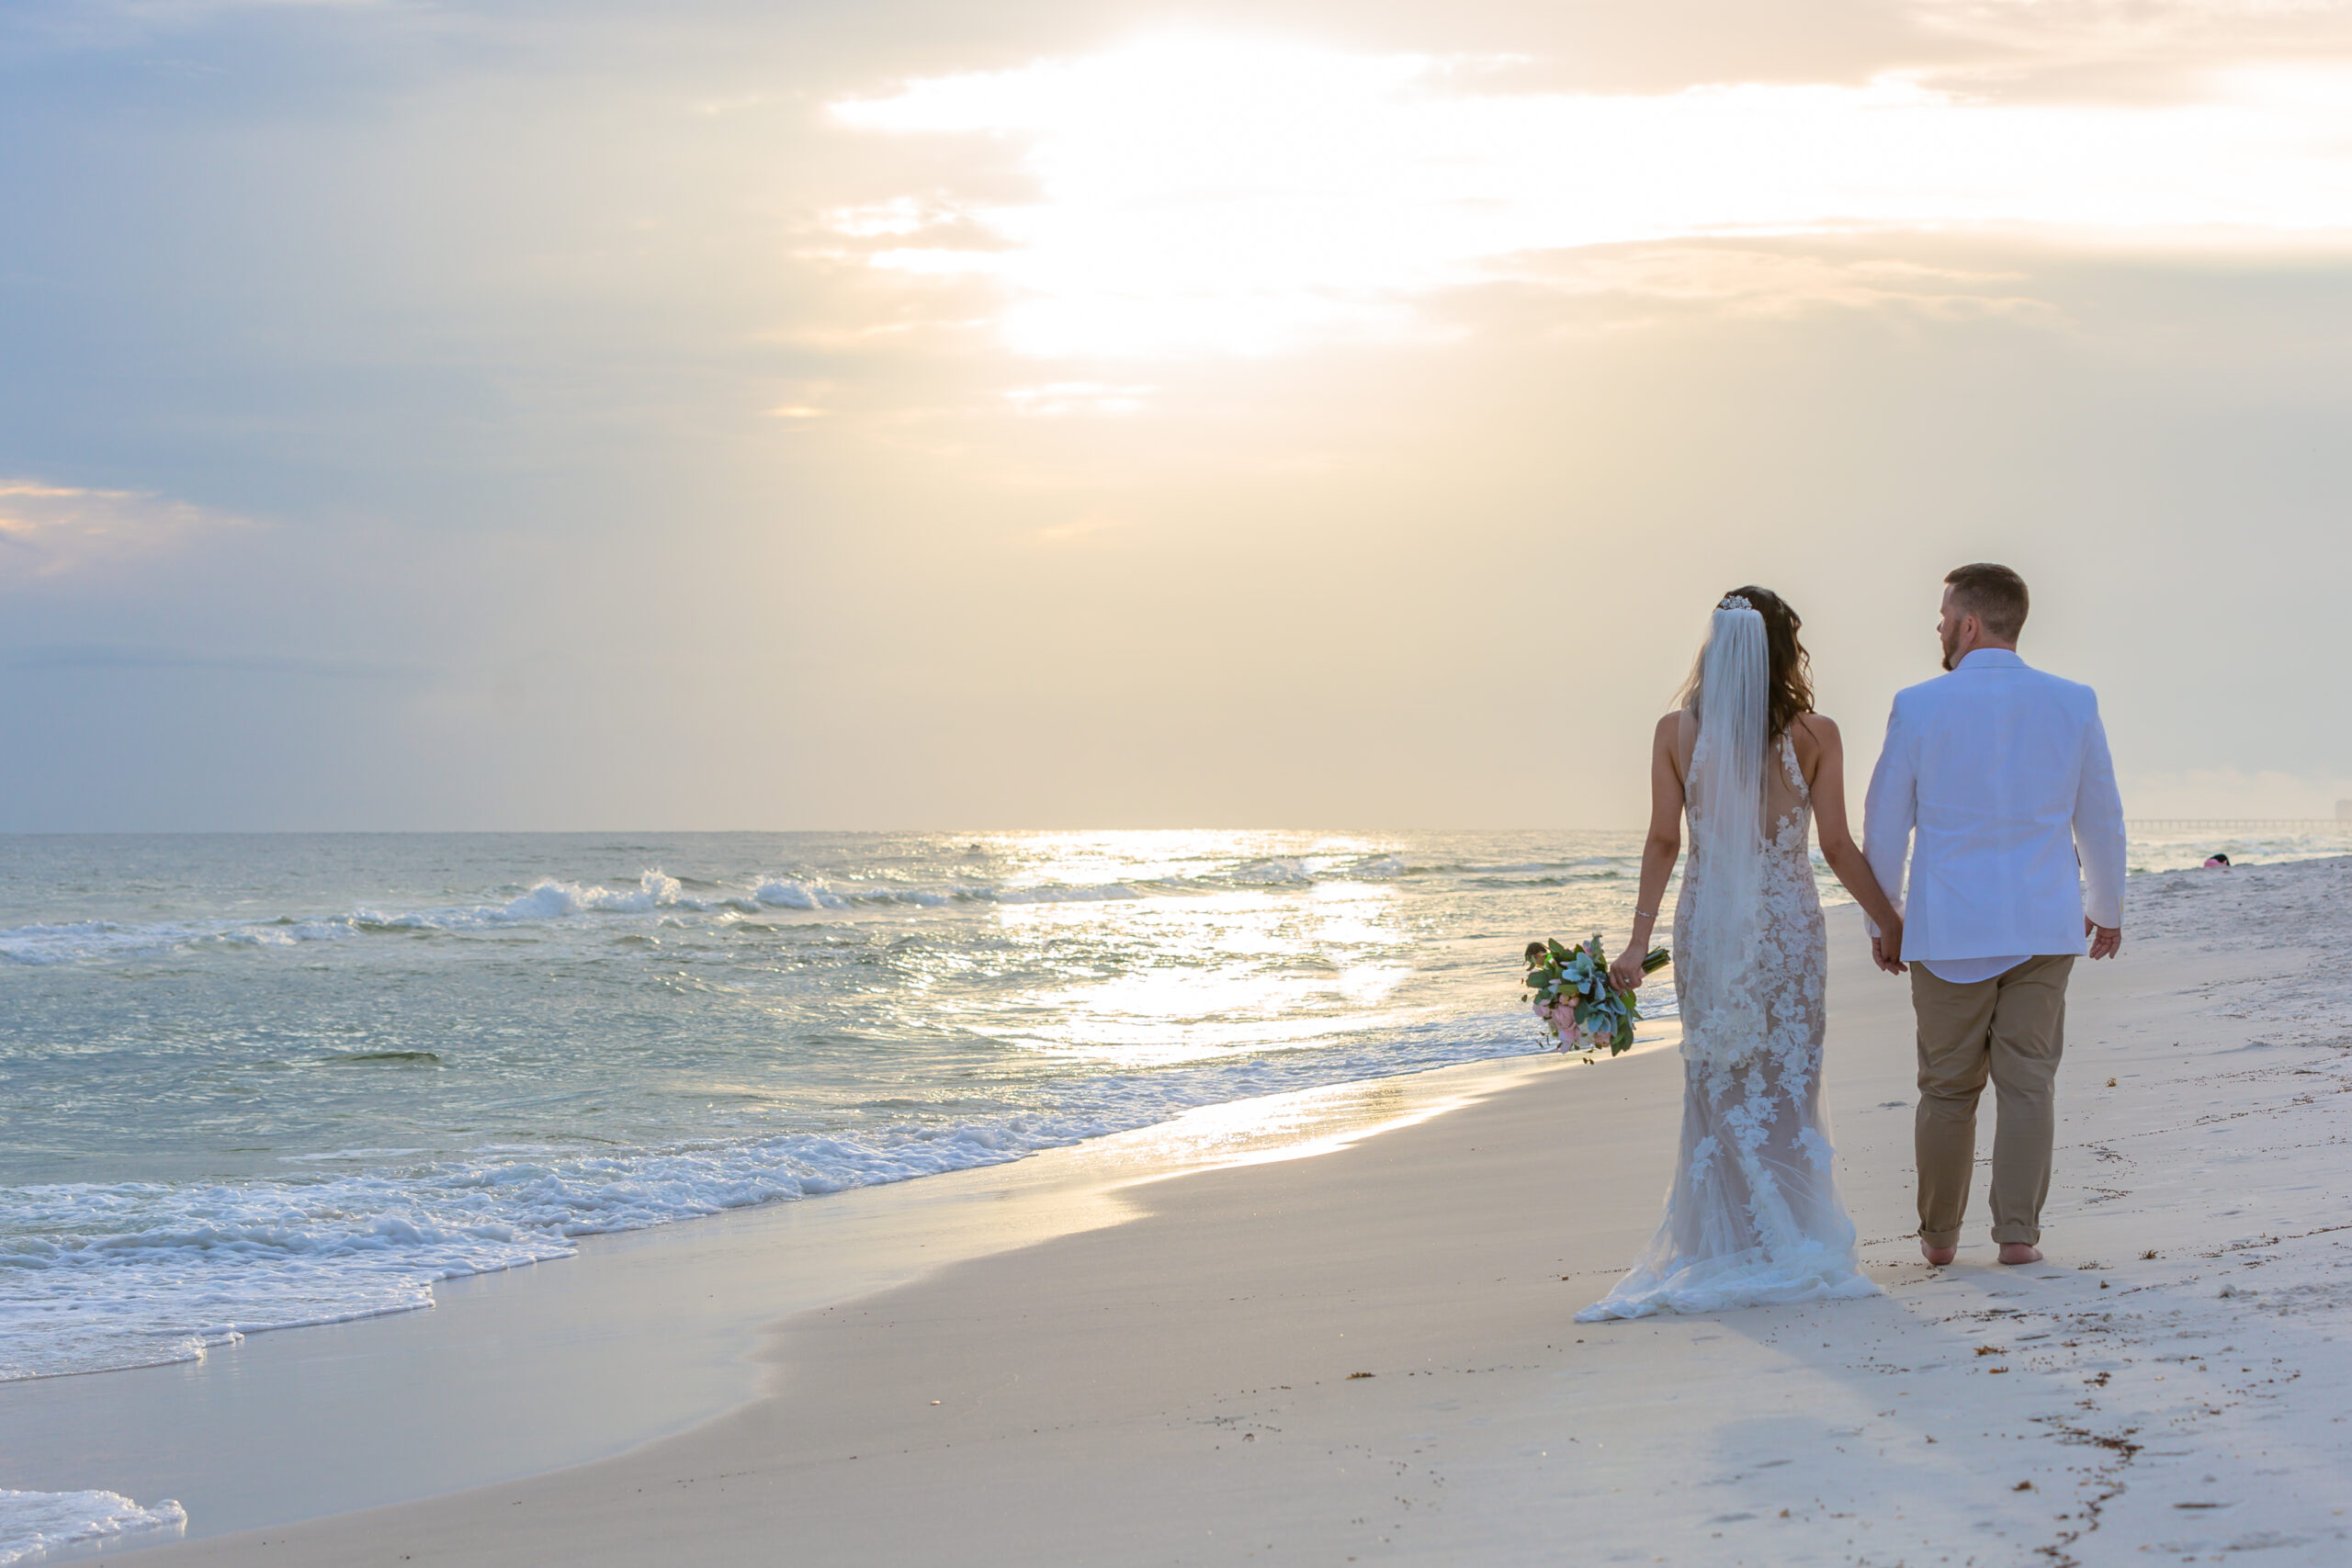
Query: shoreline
[
  {"x": 1185, "y": 1384},
  {"x": 670, "y": 1316}
]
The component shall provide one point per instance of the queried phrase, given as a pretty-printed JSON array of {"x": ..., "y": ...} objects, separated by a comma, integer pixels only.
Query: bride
[{"x": 1754, "y": 1215}]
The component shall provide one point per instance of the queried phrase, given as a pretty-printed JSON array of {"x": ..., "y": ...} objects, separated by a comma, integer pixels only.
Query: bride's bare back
[{"x": 1821, "y": 761}]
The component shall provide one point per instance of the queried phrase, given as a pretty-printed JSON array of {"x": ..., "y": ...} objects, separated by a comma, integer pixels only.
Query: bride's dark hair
[{"x": 1791, "y": 667}]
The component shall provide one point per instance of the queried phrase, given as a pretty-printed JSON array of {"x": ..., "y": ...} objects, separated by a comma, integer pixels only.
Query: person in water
[{"x": 2217, "y": 862}]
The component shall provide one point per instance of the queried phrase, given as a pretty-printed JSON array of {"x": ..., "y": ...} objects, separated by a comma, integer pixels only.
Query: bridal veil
[{"x": 1754, "y": 1215}]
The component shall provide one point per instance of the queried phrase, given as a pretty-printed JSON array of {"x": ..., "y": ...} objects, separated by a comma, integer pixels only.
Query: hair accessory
[{"x": 1734, "y": 602}]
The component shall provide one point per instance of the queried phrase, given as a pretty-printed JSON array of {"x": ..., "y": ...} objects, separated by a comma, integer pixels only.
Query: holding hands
[{"x": 1886, "y": 948}]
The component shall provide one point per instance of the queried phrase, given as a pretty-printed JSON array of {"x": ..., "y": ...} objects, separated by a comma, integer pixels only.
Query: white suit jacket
[{"x": 2001, "y": 773}]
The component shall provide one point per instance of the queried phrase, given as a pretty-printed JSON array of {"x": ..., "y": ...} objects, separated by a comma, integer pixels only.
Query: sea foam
[
  {"x": 34, "y": 1524},
  {"x": 556, "y": 901},
  {"x": 97, "y": 1276}
]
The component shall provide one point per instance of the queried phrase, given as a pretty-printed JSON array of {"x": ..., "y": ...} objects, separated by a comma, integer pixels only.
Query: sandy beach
[
  {"x": 1369, "y": 1354},
  {"x": 714, "y": 712}
]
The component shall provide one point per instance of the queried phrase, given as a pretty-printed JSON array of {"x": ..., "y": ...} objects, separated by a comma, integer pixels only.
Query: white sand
[{"x": 1179, "y": 1388}]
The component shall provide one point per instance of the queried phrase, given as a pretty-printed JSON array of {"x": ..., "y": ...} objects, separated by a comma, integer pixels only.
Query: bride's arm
[
  {"x": 1837, "y": 846},
  {"x": 1659, "y": 851}
]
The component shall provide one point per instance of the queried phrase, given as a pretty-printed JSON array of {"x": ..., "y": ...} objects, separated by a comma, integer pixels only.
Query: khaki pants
[{"x": 2012, "y": 1027}]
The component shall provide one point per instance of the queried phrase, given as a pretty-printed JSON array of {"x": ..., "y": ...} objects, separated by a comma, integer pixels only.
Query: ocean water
[
  {"x": 253, "y": 1082},
  {"x": 2174, "y": 849}
]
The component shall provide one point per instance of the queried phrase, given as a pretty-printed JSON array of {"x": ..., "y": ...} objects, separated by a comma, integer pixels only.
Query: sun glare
[{"x": 1199, "y": 196}]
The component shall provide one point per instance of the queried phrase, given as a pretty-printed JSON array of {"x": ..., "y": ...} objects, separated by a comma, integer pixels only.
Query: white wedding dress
[{"x": 1754, "y": 1215}]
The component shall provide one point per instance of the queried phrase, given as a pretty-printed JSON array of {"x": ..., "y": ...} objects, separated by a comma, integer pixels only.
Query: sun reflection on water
[{"x": 1179, "y": 976}]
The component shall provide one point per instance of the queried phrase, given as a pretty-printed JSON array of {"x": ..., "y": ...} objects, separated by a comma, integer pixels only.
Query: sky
[{"x": 921, "y": 414}]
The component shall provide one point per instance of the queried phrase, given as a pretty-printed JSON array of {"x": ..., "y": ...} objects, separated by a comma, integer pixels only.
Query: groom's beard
[{"x": 1951, "y": 648}]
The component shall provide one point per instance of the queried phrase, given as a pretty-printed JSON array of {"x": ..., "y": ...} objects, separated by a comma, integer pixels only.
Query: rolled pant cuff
[
  {"x": 1941, "y": 1238},
  {"x": 2005, "y": 1236}
]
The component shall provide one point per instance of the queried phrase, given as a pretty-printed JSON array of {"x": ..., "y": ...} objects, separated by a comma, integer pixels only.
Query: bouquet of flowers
[{"x": 1575, "y": 1000}]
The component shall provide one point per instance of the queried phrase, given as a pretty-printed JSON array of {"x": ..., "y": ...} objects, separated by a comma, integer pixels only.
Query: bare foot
[
  {"x": 2018, "y": 1252},
  {"x": 1939, "y": 1255}
]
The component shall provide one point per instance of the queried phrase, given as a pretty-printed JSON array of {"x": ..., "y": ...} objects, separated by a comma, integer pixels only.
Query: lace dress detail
[{"x": 1754, "y": 1215}]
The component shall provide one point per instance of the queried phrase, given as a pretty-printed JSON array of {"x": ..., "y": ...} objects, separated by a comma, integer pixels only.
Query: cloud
[
  {"x": 2146, "y": 53},
  {"x": 2050, "y": 23},
  {"x": 187, "y": 13},
  {"x": 1079, "y": 530},
  {"x": 75, "y": 26},
  {"x": 128, "y": 656},
  {"x": 1061, "y": 400},
  {"x": 48, "y": 530},
  {"x": 1745, "y": 280},
  {"x": 1194, "y": 196}
]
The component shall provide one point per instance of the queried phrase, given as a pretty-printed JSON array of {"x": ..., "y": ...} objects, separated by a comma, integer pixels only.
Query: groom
[{"x": 2001, "y": 773}]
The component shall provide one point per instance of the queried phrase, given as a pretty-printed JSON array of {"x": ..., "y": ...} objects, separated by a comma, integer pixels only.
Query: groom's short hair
[{"x": 1994, "y": 595}]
